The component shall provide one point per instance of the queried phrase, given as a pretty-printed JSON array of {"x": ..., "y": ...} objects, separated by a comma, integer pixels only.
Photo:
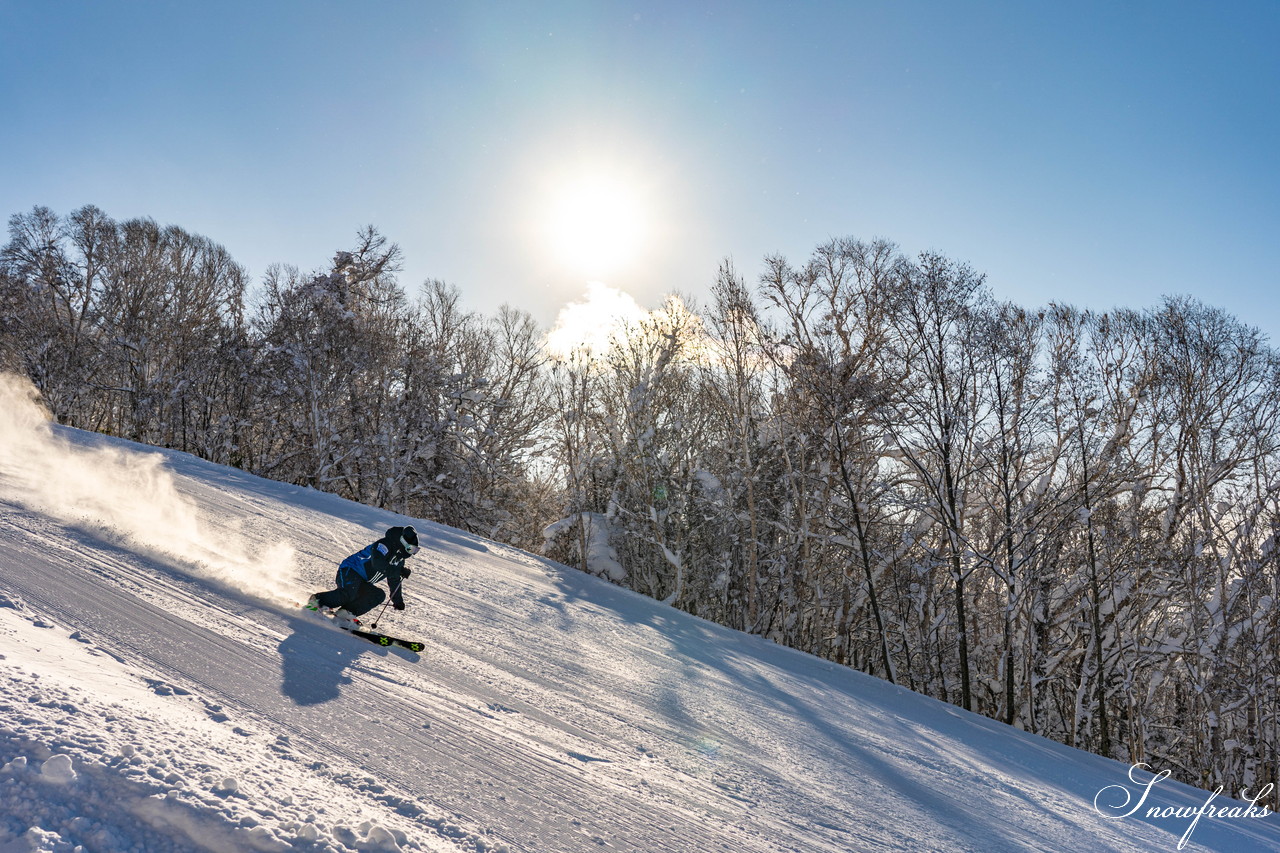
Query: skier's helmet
[{"x": 409, "y": 540}]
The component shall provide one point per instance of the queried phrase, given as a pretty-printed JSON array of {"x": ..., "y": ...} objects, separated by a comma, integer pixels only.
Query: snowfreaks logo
[{"x": 1113, "y": 802}]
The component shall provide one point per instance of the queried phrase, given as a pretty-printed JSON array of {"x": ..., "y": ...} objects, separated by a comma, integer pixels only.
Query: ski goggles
[{"x": 409, "y": 548}]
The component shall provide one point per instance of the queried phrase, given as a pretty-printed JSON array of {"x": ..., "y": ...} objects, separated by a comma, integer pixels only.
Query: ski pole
[{"x": 375, "y": 622}]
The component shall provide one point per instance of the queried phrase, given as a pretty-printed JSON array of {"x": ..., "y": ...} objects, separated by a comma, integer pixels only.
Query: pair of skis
[{"x": 371, "y": 636}]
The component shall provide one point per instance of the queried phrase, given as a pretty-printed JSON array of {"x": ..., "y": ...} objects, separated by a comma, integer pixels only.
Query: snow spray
[{"x": 124, "y": 494}]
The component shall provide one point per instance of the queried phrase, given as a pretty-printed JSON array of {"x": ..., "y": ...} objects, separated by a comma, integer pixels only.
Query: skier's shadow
[{"x": 314, "y": 661}]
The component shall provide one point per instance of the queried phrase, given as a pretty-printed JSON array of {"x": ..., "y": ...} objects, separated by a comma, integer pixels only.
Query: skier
[{"x": 356, "y": 594}]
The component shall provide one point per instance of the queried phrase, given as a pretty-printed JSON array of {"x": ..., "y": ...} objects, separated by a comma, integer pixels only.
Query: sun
[{"x": 595, "y": 224}]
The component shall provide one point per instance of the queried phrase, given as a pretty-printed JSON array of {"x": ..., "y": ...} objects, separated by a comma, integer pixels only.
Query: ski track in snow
[{"x": 152, "y": 704}]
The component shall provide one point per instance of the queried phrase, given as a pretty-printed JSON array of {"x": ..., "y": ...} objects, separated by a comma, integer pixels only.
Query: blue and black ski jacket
[{"x": 382, "y": 560}]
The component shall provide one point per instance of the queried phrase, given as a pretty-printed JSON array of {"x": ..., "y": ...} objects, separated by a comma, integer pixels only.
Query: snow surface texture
[{"x": 159, "y": 692}]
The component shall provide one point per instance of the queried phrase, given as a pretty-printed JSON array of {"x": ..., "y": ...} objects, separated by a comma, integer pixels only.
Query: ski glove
[{"x": 404, "y": 571}]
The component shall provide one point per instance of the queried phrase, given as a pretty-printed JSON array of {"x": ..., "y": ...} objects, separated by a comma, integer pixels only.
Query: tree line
[{"x": 1063, "y": 519}]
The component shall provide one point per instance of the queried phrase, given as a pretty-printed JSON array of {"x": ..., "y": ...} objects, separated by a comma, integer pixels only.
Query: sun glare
[
  {"x": 595, "y": 225},
  {"x": 588, "y": 326}
]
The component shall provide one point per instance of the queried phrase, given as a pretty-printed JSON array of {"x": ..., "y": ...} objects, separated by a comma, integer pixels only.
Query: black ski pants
[{"x": 354, "y": 594}]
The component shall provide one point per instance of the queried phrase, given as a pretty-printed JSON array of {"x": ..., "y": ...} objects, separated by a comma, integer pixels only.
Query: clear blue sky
[{"x": 1099, "y": 153}]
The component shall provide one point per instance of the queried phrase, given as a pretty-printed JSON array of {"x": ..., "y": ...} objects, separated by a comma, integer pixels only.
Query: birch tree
[{"x": 935, "y": 416}]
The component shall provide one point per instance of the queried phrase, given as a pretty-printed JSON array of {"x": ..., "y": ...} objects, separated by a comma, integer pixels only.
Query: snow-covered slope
[{"x": 160, "y": 691}]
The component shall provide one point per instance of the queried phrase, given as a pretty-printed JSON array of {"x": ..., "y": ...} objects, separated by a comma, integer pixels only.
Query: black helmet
[{"x": 409, "y": 540}]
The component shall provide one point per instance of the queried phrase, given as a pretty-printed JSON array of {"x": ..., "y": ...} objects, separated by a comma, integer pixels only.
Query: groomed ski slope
[{"x": 160, "y": 692}]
